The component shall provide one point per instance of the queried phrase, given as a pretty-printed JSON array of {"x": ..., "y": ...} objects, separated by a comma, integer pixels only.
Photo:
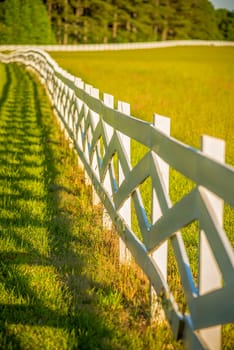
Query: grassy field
[
  {"x": 193, "y": 86},
  {"x": 60, "y": 283},
  {"x": 61, "y": 286}
]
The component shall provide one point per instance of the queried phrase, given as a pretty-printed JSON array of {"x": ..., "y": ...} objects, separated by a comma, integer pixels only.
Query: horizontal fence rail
[
  {"x": 120, "y": 46},
  {"x": 101, "y": 135}
]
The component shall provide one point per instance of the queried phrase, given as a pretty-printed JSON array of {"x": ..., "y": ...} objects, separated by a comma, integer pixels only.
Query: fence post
[
  {"x": 108, "y": 100},
  {"x": 125, "y": 211},
  {"x": 160, "y": 255},
  {"x": 79, "y": 104},
  {"x": 58, "y": 105},
  {"x": 87, "y": 88},
  {"x": 95, "y": 119},
  {"x": 65, "y": 112},
  {"x": 210, "y": 277},
  {"x": 70, "y": 110}
]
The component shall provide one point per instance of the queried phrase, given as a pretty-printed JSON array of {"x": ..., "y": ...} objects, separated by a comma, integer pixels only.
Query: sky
[{"x": 228, "y": 4}]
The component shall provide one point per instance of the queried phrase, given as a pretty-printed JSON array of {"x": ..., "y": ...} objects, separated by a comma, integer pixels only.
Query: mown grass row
[{"x": 61, "y": 286}]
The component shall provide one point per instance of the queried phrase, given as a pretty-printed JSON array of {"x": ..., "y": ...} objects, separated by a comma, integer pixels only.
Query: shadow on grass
[{"x": 24, "y": 126}]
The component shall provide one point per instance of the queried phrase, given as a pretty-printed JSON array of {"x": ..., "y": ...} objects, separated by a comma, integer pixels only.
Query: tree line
[{"x": 103, "y": 21}]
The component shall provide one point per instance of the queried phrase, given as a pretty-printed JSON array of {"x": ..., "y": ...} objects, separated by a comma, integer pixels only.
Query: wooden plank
[
  {"x": 206, "y": 169},
  {"x": 176, "y": 217},
  {"x": 210, "y": 277},
  {"x": 216, "y": 239},
  {"x": 159, "y": 255},
  {"x": 125, "y": 210},
  {"x": 213, "y": 308},
  {"x": 185, "y": 159},
  {"x": 95, "y": 120},
  {"x": 108, "y": 100}
]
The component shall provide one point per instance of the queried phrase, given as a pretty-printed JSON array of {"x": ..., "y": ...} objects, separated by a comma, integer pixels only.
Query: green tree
[
  {"x": 87, "y": 21},
  {"x": 26, "y": 22},
  {"x": 225, "y": 22},
  {"x": 203, "y": 21},
  {"x": 180, "y": 22}
]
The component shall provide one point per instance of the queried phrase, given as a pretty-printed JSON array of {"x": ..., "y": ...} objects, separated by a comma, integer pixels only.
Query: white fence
[
  {"x": 120, "y": 46},
  {"x": 101, "y": 136}
]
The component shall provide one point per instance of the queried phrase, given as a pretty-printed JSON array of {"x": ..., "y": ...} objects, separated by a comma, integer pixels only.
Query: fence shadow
[{"x": 16, "y": 142}]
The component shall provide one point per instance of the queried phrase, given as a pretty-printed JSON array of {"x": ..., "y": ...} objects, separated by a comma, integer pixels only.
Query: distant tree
[
  {"x": 98, "y": 21},
  {"x": 225, "y": 22},
  {"x": 102, "y": 21},
  {"x": 181, "y": 21},
  {"x": 26, "y": 22},
  {"x": 55, "y": 9},
  {"x": 203, "y": 21},
  {"x": 77, "y": 23},
  {"x": 2, "y": 23},
  {"x": 169, "y": 19},
  {"x": 230, "y": 35}
]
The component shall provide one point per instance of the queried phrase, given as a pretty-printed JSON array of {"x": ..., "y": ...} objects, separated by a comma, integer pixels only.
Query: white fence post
[
  {"x": 109, "y": 102},
  {"x": 88, "y": 88},
  {"x": 210, "y": 277},
  {"x": 212, "y": 301},
  {"x": 125, "y": 211},
  {"x": 95, "y": 119},
  {"x": 79, "y": 104},
  {"x": 160, "y": 255},
  {"x": 65, "y": 111}
]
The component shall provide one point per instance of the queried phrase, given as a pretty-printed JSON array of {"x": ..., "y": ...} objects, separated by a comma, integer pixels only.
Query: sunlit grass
[
  {"x": 195, "y": 88},
  {"x": 59, "y": 273},
  {"x": 61, "y": 286},
  {"x": 191, "y": 85}
]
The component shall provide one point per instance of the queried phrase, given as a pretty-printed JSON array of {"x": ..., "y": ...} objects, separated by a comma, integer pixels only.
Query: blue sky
[{"x": 228, "y": 4}]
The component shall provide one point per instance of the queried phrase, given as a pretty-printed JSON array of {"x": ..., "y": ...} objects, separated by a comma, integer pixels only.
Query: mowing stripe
[{"x": 60, "y": 284}]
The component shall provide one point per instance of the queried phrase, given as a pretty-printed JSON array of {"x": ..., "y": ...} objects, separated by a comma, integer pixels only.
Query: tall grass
[
  {"x": 195, "y": 88},
  {"x": 60, "y": 283},
  {"x": 192, "y": 85}
]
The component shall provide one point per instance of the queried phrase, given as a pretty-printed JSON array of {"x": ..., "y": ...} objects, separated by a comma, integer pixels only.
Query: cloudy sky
[{"x": 229, "y": 4}]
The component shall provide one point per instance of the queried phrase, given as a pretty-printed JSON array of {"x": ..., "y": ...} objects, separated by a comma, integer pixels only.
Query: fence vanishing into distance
[
  {"x": 101, "y": 135},
  {"x": 120, "y": 46}
]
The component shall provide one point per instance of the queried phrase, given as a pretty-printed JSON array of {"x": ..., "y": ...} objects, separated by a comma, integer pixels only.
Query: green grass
[
  {"x": 59, "y": 272},
  {"x": 195, "y": 88},
  {"x": 191, "y": 85},
  {"x": 3, "y": 78},
  {"x": 61, "y": 286}
]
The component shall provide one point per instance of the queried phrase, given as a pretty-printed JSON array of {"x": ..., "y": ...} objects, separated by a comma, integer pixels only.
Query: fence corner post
[{"x": 160, "y": 255}]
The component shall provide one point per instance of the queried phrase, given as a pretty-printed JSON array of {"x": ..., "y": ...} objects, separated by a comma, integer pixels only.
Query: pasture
[
  {"x": 194, "y": 86},
  {"x": 61, "y": 286},
  {"x": 46, "y": 217}
]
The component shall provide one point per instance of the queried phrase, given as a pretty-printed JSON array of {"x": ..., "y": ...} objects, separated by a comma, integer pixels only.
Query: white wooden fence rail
[
  {"x": 119, "y": 46},
  {"x": 100, "y": 133}
]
